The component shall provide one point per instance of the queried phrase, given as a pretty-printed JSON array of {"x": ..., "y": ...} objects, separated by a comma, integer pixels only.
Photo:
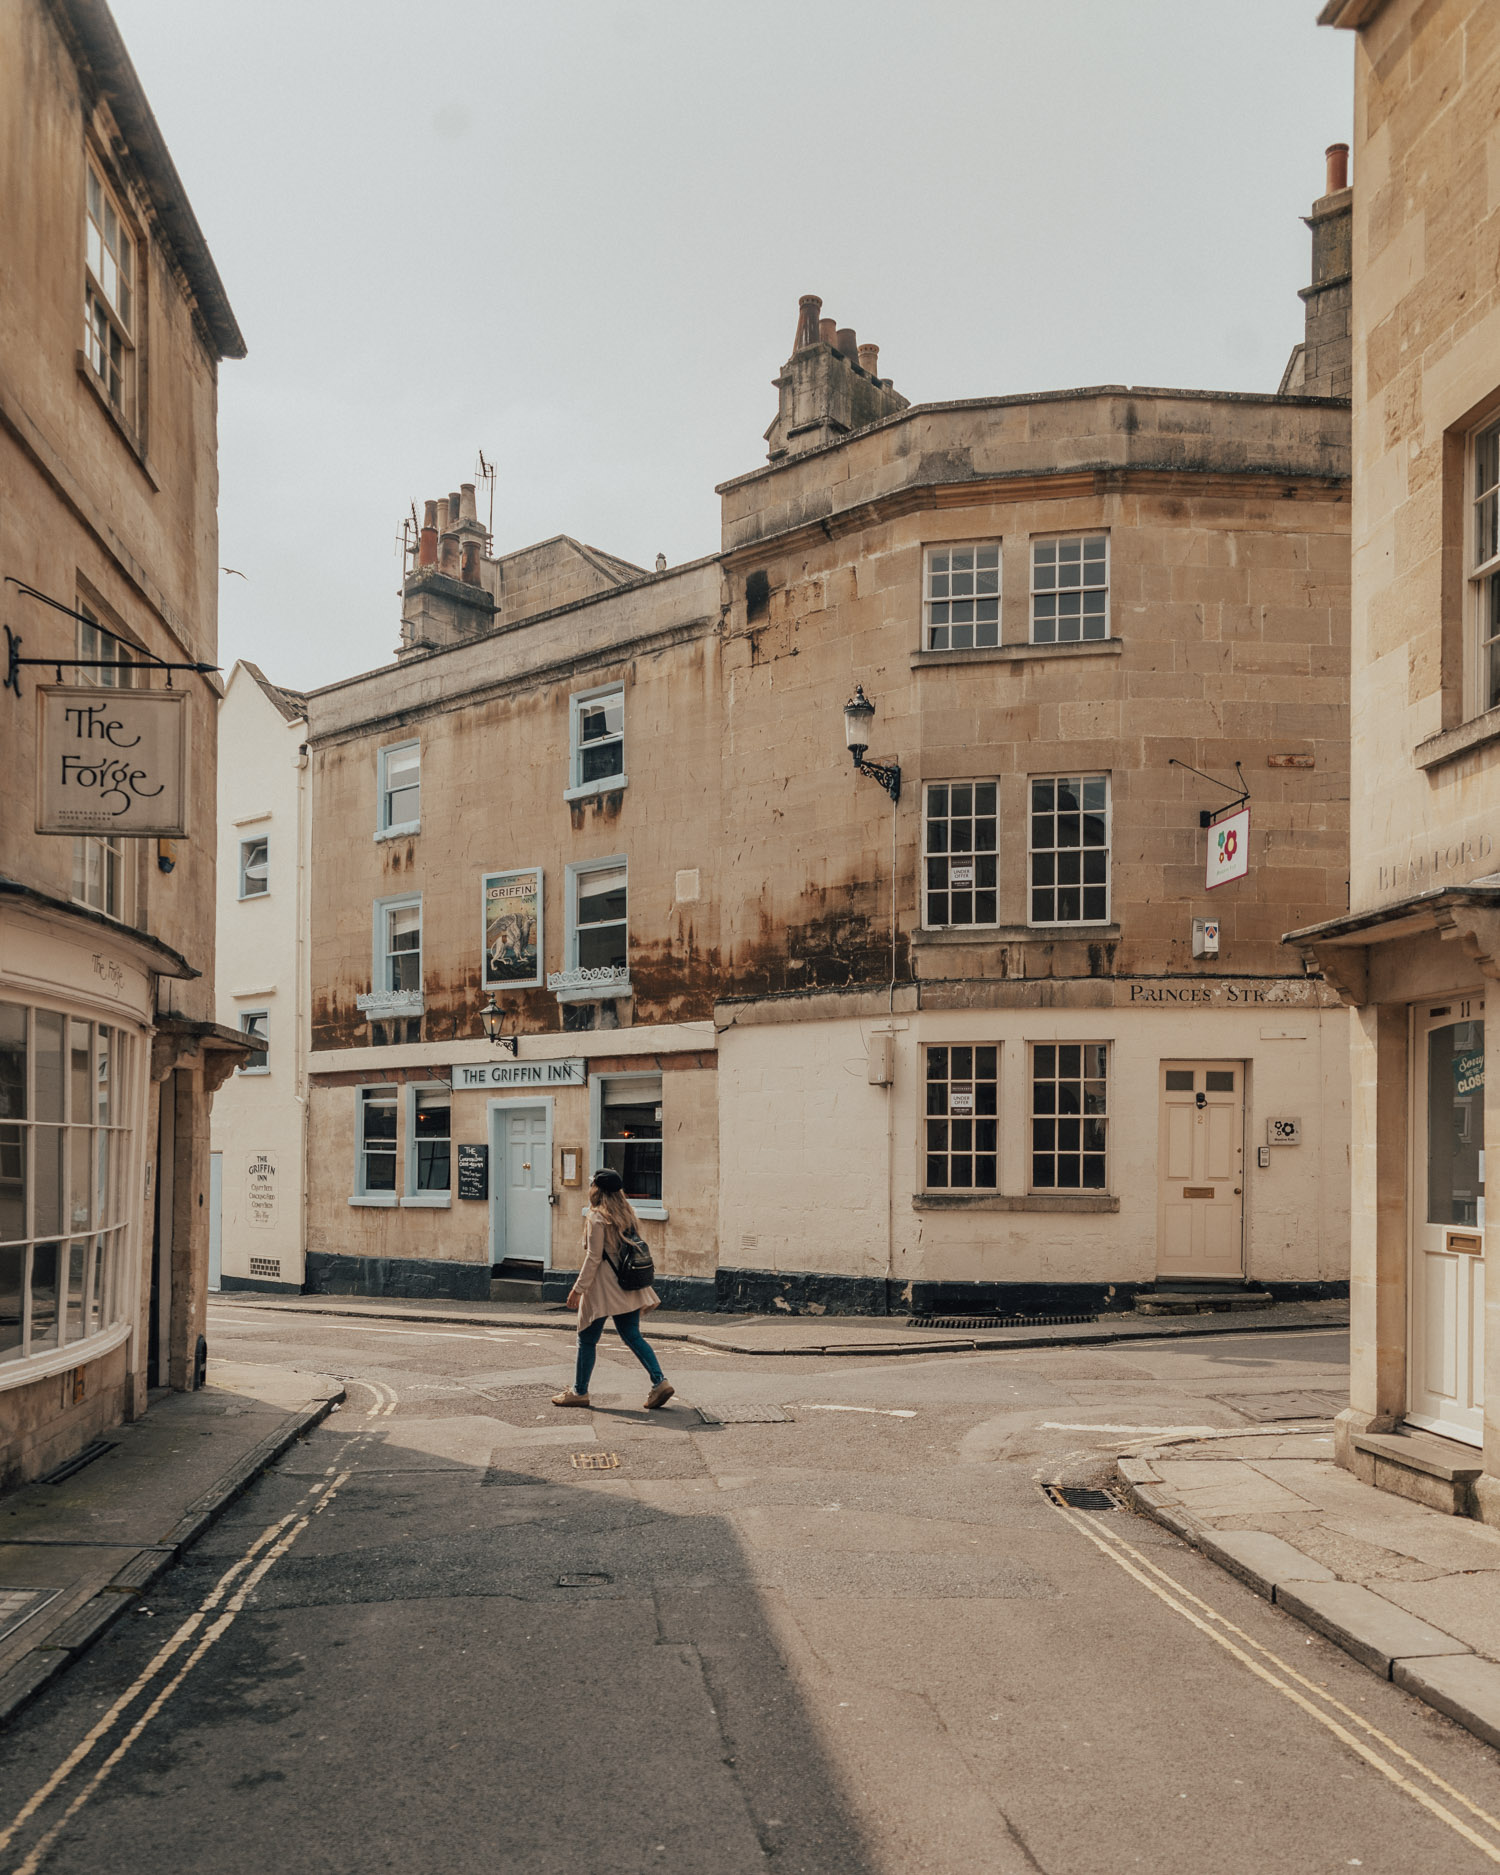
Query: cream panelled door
[
  {"x": 1200, "y": 1170},
  {"x": 521, "y": 1181},
  {"x": 1445, "y": 1347}
]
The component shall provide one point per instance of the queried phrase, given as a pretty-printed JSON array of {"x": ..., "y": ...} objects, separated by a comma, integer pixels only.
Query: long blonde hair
[{"x": 616, "y": 1210}]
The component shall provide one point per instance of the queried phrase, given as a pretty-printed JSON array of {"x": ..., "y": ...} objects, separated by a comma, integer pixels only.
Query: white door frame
[
  {"x": 1460, "y": 1006},
  {"x": 498, "y": 1109}
]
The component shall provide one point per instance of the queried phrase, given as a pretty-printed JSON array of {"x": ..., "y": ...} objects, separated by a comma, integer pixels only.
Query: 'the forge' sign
[{"x": 112, "y": 761}]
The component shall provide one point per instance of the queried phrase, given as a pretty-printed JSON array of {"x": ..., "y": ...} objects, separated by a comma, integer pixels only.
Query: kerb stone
[{"x": 1364, "y": 1624}]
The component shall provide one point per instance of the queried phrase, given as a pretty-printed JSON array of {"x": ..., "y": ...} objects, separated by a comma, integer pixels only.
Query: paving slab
[{"x": 93, "y": 1543}]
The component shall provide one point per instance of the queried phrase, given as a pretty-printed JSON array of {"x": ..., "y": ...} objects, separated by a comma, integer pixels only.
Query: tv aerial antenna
[{"x": 486, "y": 473}]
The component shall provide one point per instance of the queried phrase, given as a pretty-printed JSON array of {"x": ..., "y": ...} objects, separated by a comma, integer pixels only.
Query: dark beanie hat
[{"x": 605, "y": 1182}]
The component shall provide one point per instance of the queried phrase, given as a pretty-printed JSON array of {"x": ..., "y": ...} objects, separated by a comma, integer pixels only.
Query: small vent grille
[
  {"x": 596, "y": 1461},
  {"x": 998, "y": 1321},
  {"x": 265, "y": 1266}
]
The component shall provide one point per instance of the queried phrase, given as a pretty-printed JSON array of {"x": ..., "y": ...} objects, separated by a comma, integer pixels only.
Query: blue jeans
[{"x": 628, "y": 1328}]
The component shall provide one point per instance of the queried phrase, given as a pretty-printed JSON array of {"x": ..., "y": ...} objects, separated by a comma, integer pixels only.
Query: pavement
[
  {"x": 819, "y": 1335},
  {"x": 78, "y": 1554},
  {"x": 1412, "y": 1593}
]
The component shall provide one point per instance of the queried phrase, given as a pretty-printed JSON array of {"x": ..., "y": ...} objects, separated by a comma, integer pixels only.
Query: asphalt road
[{"x": 854, "y": 1640}]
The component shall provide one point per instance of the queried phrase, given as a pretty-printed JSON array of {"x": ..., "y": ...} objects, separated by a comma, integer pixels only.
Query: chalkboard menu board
[{"x": 473, "y": 1171}]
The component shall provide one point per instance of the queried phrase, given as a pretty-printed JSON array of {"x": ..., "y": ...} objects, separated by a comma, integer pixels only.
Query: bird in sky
[{"x": 235, "y": 570}]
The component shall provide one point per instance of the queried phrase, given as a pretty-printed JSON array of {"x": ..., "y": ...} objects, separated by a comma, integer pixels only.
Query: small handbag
[{"x": 634, "y": 1268}]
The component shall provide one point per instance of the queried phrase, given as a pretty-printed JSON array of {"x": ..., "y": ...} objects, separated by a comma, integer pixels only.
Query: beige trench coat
[{"x": 602, "y": 1294}]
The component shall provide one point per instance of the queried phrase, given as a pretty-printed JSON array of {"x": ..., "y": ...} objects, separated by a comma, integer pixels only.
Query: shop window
[
  {"x": 65, "y": 1181},
  {"x": 596, "y": 740},
  {"x": 1484, "y": 560},
  {"x": 958, "y": 853},
  {"x": 1069, "y": 1116},
  {"x": 375, "y": 1146},
  {"x": 255, "y": 866},
  {"x": 429, "y": 1134},
  {"x": 628, "y": 1136},
  {"x": 1069, "y": 849},
  {"x": 109, "y": 296},
  {"x": 1070, "y": 589},
  {"x": 961, "y": 602},
  {"x": 255, "y": 1026},
  {"x": 963, "y": 1105},
  {"x": 398, "y": 771}
]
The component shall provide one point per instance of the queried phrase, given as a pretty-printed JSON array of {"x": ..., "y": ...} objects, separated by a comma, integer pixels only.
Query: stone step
[{"x": 1170, "y": 1303}]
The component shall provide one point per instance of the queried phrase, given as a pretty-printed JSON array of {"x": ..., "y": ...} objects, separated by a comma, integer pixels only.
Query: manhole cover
[
  {"x": 1082, "y": 1497},
  {"x": 18, "y": 1605},
  {"x": 743, "y": 1415},
  {"x": 596, "y": 1461},
  {"x": 584, "y": 1581},
  {"x": 1266, "y": 1408}
]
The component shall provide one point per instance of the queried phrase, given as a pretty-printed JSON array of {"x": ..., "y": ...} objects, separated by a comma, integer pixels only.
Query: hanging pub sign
[
  {"x": 1229, "y": 848},
  {"x": 512, "y": 929},
  {"x": 112, "y": 761}
]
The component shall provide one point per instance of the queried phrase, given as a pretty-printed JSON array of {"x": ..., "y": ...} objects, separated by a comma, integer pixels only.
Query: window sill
[
  {"x": 122, "y": 429},
  {"x": 245, "y": 897},
  {"x": 246, "y": 1074},
  {"x": 611, "y": 784},
  {"x": 606, "y": 992},
  {"x": 427, "y": 1201},
  {"x": 1449, "y": 744},
  {"x": 404, "y": 831},
  {"x": 1054, "y": 1201},
  {"x": 380, "y": 1201},
  {"x": 941, "y": 935},
  {"x": 653, "y": 1213},
  {"x": 1020, "y": 654}
]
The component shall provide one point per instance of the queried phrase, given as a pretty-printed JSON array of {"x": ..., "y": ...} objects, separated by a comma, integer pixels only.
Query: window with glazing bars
[
  {"x": 399, "y": 783},
  {"x": 963, "y": 1102},
  {"x": 1484, "y": 561},
  {"x": 598, "y": 737},
  {"x": 432, "y": 1132},
  {"x": 1069, "y": 1116},
  {"x": 600, "y": 919},
  {"x": 403, "y": 947},
  {"x": 255, "y": 1027},
  {"x": 1069, "y": 835},
  {"x": 959, "y": 837},
  {"x": 109, "y": 295},
  {"x": 1069, "y": 589},
  {"x": 962, "y": 601},
  {"x": 99, "y": 870},
  {"x": 376, "y": 1170}
]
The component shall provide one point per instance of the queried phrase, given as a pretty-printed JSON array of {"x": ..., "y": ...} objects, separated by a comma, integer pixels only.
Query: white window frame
[
  {"x": 962, "y": 781},
  {"x": 361, "y": 1195},
  {"x": 263, "y": 1016},
  {"x": 395, "y": 829},
  {"x": 120, "y": 321},
  {"x": 1067, "y": 1041},
  {"x": 975, "y": 596},
  {"x": 577, "y": 788},
  {"x": 589, "y": 993},
  {"x": 1077, "y": 924},
  {"x": 1482, "y": 575},
  {"x": 106, "y": 851},
  {"x": 658, "y": 1213},
  {"x": 380, "y": 951},
  {"x": 259, "y": 839},
  {"x": 1062, "y": 540},
  {"x": 411, "y": 1197},
  {"x": 951, "y": 1114}
]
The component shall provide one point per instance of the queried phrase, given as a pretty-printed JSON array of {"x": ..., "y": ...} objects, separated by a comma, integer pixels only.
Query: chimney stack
[
  {"x": 1337, "y": 155},
  {"x": 808, "y": 308},
  {"x": 1323, "y": 364},
  {"x": 869, "y": 360}
]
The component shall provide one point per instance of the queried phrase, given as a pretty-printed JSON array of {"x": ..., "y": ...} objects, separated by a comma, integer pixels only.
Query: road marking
[
  {"x": 887, "y": 1412},
  {"x": 1062, "y": 1425},
  {"x": 385, "y": 1400},
  {"x": 1211, "y": 1622},
  {"x": 275, "y": 1540}
]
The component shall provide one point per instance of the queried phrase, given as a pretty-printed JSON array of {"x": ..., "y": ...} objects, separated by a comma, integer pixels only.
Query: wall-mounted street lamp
[
  {"x": 492, "y": 1021},
  {"x": 859, "y": 713}
]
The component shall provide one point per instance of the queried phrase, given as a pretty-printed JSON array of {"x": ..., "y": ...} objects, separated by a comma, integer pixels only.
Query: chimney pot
[
  {"x": 470, "y": 573},
  {"x": 427, "y": 545},
  {"x": 455, "y": 509},
  {"x": 1337, "y": 155},
  {"x": 808, "y": 308},
  {"x": 869, "y": 360},
  {"x": 466, "y": 509},
  {"x": 826, "y": 331},
  {"x": 429, "y": 514},
  {"x": 847, "y": 343},
  {"x": 448, "y": 555},
  {"x": 442, "y": 515}
]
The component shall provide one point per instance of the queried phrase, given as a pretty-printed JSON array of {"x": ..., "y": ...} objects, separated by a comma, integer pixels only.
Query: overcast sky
[{"x": 573, "y": 234}]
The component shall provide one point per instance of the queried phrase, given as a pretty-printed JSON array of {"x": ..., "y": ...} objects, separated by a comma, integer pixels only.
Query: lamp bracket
[{"x": 888, "y": 774}]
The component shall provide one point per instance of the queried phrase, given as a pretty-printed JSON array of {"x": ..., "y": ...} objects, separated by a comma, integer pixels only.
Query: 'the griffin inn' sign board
[{"x": 112, "y": 761}]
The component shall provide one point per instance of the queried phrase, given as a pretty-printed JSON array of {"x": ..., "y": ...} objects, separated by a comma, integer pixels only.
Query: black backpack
[{"x": 632, "y": 1263}]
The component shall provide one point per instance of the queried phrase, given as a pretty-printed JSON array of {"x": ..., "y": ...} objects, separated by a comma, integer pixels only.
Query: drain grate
[
  {"x": 596, "y": 1461},
  {"x": 1083, "y": 1497},
  {"x": 998, "y": 1321},
  {"x": 18, "y": 1605},
  {"x": 77, "y": 1463},
  {"x": 743, "y": 1415},
  {"x": 596, "y": 1580}
]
